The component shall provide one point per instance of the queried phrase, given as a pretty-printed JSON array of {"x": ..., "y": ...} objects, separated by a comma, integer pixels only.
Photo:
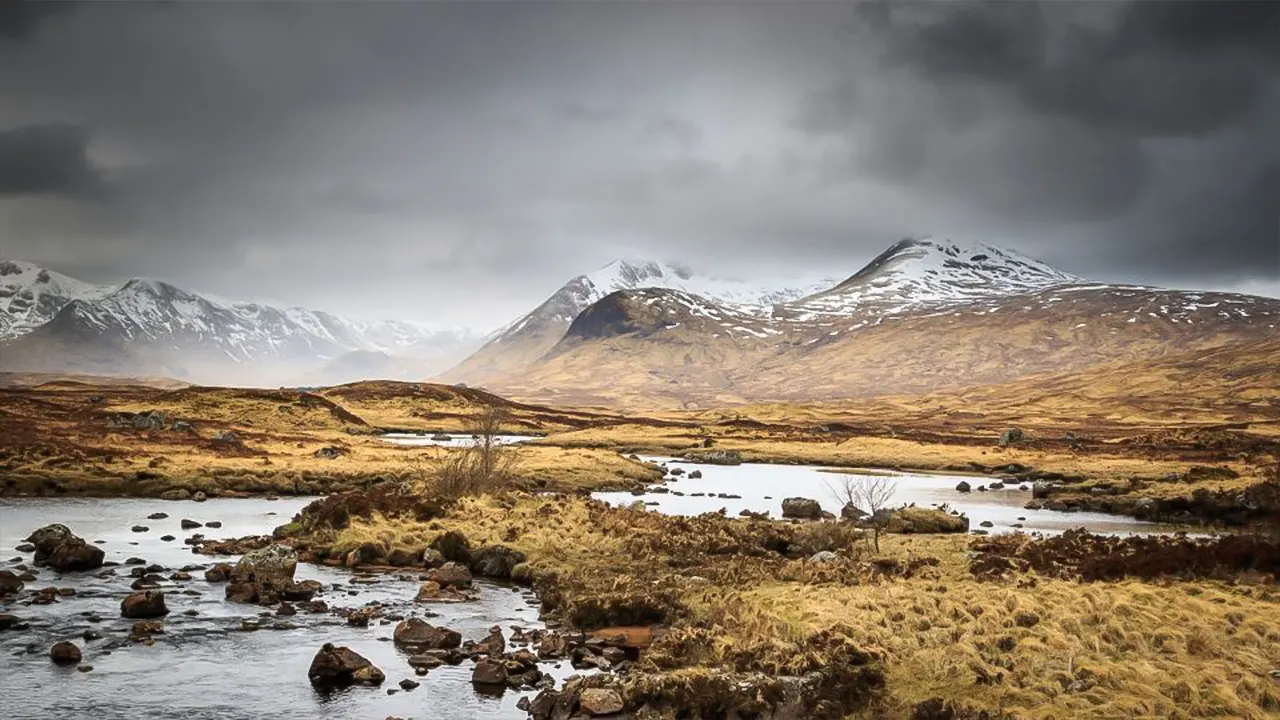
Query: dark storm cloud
[
  {"x": 459, "y": 161},
  {"x": 47, "y": 160},
  {"x": 19, "y": 20}
]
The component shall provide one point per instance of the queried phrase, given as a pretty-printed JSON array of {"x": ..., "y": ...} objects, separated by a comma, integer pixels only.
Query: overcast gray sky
[{"x": 457, "y": 162}]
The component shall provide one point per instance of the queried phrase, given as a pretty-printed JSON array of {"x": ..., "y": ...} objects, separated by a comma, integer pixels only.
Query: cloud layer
[{"x": 458, "y": 161}]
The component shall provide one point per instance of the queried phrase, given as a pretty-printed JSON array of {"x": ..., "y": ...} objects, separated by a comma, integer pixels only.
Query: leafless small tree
[
  {"x": 868, "y": 493},
  {"x": 483, "y": 466}
]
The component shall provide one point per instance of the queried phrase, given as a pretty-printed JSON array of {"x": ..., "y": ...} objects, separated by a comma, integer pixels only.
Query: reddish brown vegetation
[{"x": 1077, "y": 554}]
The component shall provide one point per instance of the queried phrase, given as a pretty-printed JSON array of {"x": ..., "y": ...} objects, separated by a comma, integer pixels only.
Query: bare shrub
[
  {"x": 484, "y": 466},
  {"x": 870, "y": 494}
]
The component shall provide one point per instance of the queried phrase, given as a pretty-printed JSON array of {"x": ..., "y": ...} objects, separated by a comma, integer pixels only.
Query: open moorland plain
[{"x": 824, "y": 611}]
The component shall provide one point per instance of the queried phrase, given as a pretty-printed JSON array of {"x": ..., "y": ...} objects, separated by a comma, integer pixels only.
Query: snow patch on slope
[{"x": 30, "y": 296}]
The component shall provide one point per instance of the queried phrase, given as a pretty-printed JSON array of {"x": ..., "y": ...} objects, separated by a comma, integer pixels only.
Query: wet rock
[
  {"x": 695, "y": 474},
  {"x": 140, "y": 528},
  {"x": 190, "y": 524},
  {"x": 220, "y": 572},
  {"x": 168, "y": 538},
  {"x": 596, "y": 702},
  {"x": 11, "y": 622},
  {"x": 963, "y": 486},
  {"x": 430, "y": 592},
  {"x": 263, "y": 576},
  {"x": 58, "y": 548},
  {"x": 489, "y": 672},
  {"x": 144, "y": 629},
  {"x": 147, "y": 582},
  {"x": 420, "y": 634},
  {"x": 986, "y": 524},
  {"x": 338, "y": 667},
  {"x": 408, "y": 684},
  {"x": 176, "y": 494},
  {"x": 180, "y": 576},
  {"x": 135, "y": 561},
  {"x": 215, "y": 524},
  {"x": 10, "y": 583},
  {"x": 158, "y": 516},
  {"x": 64, "y": 653},
  {"x": 495, "y": 561},
  {"x": 451, "y": 574},
  {"x": 493, "y": 644},
  {"x": 91, "y": 635},
  {"x": 144, "y": 604},
  {"x": 802, "y": 508}
]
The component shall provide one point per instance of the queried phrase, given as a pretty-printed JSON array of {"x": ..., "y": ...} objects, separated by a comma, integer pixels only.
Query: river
[
  {"x": 204, "y": 666},
  {"x": 763, "y": 486}
]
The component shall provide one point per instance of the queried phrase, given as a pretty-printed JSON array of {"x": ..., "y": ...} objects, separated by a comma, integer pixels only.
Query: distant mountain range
[
  {"x": 925, "y": 315},
  {"x": 53, "y": 323}
]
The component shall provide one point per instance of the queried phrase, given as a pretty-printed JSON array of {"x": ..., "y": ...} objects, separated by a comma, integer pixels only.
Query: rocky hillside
[
  {"x": 923, "y": 316},
  {"x": 522, "y": 343}
]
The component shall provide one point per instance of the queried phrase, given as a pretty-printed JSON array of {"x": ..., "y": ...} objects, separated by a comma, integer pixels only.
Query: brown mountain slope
[{"x": 651, "y": 348}]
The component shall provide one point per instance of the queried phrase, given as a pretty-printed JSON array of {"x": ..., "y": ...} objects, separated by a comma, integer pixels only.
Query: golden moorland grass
[{"x": 1024, "y": 645}]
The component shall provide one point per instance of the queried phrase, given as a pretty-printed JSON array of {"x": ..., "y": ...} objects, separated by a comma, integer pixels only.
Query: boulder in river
[
  {"x": 338, "y": 667},
  {"x": 489, "y": 672},
  {"x": 190, "y": 524},
  {"x": 144, "y": 604},
  {"x": 418, "y": 633},
  {"x": 801, "y": 507},
  {"x": 10, "y": 584},
  {"x": 451, "y": 574},
  {"x": 963, "y": 486},
  {"x": 64, "y": 653},
  {"x": 220, "y": 572},
  {"x": 263, "y": 576},
  {"x": 57, "y": 547}
]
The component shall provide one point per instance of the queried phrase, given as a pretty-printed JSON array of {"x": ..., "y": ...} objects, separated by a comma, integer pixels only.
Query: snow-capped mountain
[
  {"x": 153, "y": 327},
  {"x": 30, "y": 296},
  {"x": 928, "y": 272},
  {"x": 528, "y": 337},
  {"x": 923, "y": 315}
]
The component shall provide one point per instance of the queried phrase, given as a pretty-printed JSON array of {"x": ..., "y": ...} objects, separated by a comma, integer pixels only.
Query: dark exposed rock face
[
  {"x": 419, "y": 634},
  {"x": 802, "y": 508},
  {"x": 59, "y": 549},
  {"x": 338, "y": 667},
  {"x": 144, "y": 604}
]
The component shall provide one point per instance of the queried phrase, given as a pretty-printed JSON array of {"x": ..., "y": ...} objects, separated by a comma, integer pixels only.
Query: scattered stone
[
  {"x": 190, "y": 524},
  {"x": 986, "y": 524},
  {"x": 408, "y": 684},
  {"x": 451, "y": 574},
  {"x": 337, "y": 667},
  {"x": 140, "y": 528},
  {"x": 600, "y": 701},
  {"x": 418, "y": 633},
  {"x": 489, "y": 672},
  {"x": 158, "y": 516},
  {"x": 144, "y": 604},
  {"x": 58, "y": 548},
  {"x": 1026, "y": 619},
  {"x": 215, "y": 524},
  {"x": 802, "y": 508},
  {"x": 963, "y": 486},
  {"x": 1012, "y": 436},
  {"x": 10, "y": 583},
  {"x": 64, "y": 653},
  {"x": 695, "y": 474}
]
